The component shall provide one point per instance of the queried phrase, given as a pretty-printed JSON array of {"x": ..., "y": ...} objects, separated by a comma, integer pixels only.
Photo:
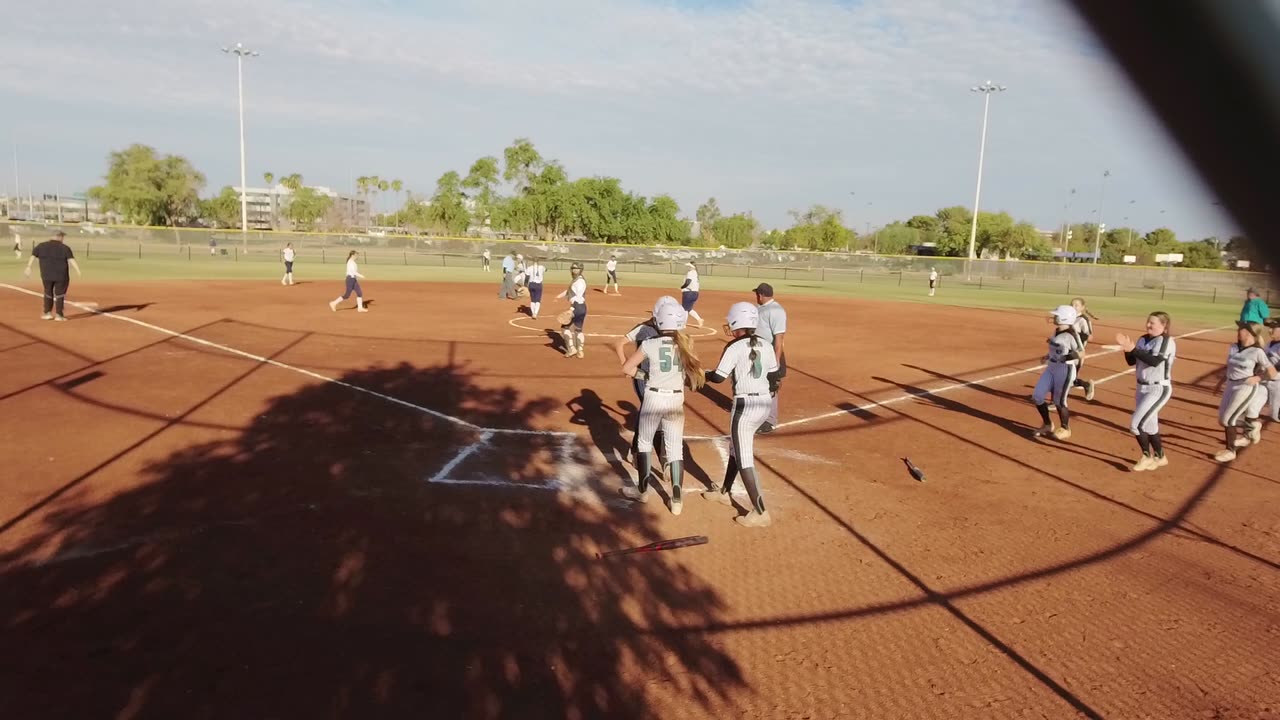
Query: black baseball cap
[{"x": 764, "y": 289}]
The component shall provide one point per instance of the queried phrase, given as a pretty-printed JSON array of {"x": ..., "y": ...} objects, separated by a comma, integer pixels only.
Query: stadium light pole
[
  {"x": 240, "y": 51},
  {"x": 1097, "y": 236},
  {"x": 986, "y": 89}
]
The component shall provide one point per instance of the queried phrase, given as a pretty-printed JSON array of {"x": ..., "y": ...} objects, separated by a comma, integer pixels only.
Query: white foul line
[
  {"x": 314, "y": 375},
  {"x": 947, "y": 388}
]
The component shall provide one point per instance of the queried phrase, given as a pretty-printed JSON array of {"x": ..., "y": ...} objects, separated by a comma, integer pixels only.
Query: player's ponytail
[
  {"x": 694, "y": 375},
  {"x": 753, "y": 342}
]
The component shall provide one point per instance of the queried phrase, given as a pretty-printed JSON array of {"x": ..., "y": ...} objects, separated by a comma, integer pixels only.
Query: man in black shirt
[{"x": 54, "y": 257}]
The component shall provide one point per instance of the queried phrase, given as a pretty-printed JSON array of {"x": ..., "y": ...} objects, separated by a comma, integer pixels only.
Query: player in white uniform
[
  {"x": 1059, "y": 373},
  {"x": 611, "y": 275},
  {"x": 484, "y": 260},
  {"x": 575, "y": 339},
  {"x": 750, "y": 361},
  {"x": 933, "y": 280},
  {"x": 534, "y": 275},
  {"x": 1273, "y": 354},
  {"x": 287, "y": 255},
  {"x": 353, "y": 285},
  {"x": 1245, "y": 395},
  {"x": 1083, "y": 328},
  {"x": 689, "y": 292},
  {"x": 672, "y": 366},
  {"x": 1152, "y": 355}
]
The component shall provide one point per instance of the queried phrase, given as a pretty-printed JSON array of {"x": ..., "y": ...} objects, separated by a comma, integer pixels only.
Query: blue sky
[{"x": 768, "y": 105}]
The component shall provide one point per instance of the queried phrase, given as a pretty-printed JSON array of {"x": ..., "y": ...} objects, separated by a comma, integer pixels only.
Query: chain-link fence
[{"x": 850, "y": 268}]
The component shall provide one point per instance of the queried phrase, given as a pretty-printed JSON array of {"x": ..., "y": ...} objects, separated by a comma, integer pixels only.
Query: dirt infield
[{"x": 224, "y": 500}]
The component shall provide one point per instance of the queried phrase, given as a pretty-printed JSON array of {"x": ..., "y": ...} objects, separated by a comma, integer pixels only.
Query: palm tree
[
  {"x": 383, "y": 185},
  {"x": 396, "y": 187},
  {"x": 270, "y": 179},
  {"x": 293, "y": 182}
]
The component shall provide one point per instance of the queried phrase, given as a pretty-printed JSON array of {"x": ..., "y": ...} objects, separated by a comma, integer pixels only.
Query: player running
[
  {"x": 750, "y": 361},
  {"x": 638, "y": 335},
  {"x": 672, "y": 366},
  {"x": 611, "y": 275},
  {"x": 574, "y": 338},
  {"x": 1059, "y": 373},
  {"x": 353, "y": 285},
  {"x": 1245, "y": 395},
  {"x": 1152, "y": 356},
  {"x": 1083, "y": 329}
]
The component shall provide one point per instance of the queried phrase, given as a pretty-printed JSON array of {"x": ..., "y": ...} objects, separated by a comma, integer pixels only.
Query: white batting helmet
[
  {"x": 664, "y": 300},
  {"x": 671, "y": 317},
  {"x": 743, "y": 315},
  {"x": 1065, "y": 315}
]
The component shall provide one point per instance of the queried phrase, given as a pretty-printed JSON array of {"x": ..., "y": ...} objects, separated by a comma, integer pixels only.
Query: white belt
[{"x": 1154, "y": 382}]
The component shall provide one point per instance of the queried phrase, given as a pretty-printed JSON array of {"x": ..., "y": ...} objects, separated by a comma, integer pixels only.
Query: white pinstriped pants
[
  {"x": 1241, "y": 401},
  {"x": 749, "y": 413},
  {"x": 665, "y": 409},
  {"x": 1148, "y": 403},
  {"x": 1273, "y": 392}
]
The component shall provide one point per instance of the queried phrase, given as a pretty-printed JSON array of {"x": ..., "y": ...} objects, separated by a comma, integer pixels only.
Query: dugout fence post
[
  {"x": 1115, "y": 289},
  {"x": 860, "y": 272},
  {"x": 824, "y": 274},
  {"x": 1162, "y": 288},
  {"x": 784, "y": 273},
  {"x": 366, "y": 257},
  {"x": 979, "y": 282},
  {"x": 1068, "y": 286},
  {"x": 321, "y": 255},
  {"x": 1024, "y": 284},
  {"x": 235, "y": 253},
  {"x": 86, "y": 249},
  {"x": 900, "y": 274},
  {"x": 188, "y": 253},
  {"x": 1215, "y": 296},
  {"x": 406, "y": 256}
]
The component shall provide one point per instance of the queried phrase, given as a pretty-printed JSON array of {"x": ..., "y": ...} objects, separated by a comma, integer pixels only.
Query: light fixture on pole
[
  {"x": 986, "y": 89},
  {"x": 1097, "y": 237},
  {"x": 240, "y": 51}
]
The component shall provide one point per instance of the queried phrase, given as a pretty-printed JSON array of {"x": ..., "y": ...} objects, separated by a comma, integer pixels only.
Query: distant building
[
  {"x": 56, "y": 209},
  {"x": 265, "y": 206}
]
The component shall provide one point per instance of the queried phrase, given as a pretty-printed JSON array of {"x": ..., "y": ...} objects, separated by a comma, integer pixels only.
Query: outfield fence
[{"x": 194, "y": 245}]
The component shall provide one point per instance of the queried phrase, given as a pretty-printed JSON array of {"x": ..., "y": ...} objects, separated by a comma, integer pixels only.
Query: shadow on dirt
[{"x": 303, "y": 568}]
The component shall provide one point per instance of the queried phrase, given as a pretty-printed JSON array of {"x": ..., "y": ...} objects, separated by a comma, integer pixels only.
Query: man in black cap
[
  {"x": 54, "y": 257},
  {"x": 772, "y": 327}
]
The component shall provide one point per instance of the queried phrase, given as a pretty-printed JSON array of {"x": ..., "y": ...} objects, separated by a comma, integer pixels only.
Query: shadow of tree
[{"x": 303, "y": 568}]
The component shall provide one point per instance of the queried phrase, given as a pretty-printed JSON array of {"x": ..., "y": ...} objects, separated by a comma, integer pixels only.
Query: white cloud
[{"x": 767, "y": 104}]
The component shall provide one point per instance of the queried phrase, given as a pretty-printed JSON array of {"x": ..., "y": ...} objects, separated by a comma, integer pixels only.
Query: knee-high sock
[
  {"x": 359, "y": 302},
  {"x": 1144, "y": 442},
  {"x": 1157, "y": 446},
  {"x": 677, "y": 479},
  {"x": 582, "y": 339},
  {"x": 644, "y": 464},
  {"x": 730, "y": 474},
  {"x": 1044, "y": 413},
  {"x": 1231, "y": 438},
  {"x": 753, "y": 488},
  {"x": 1064, "y": 415}
]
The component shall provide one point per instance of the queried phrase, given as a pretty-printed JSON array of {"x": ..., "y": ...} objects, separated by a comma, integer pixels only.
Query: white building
[{"x": 265, "y": 206}]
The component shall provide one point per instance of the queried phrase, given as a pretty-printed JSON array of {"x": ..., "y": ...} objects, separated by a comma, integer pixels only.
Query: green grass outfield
[{"x": 1128, "y": 310}]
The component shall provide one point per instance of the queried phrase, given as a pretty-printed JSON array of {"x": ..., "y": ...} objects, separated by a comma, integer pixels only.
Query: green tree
[
  {"x": 707, "y": 214},
  {"x": 293, "y": 182},
  {"x": 150, "y": 189},
  {"x": 953, "y": 230},
  {"x": 522, "y": 163},
  {"x": 774, "y": 240},
  {"x": 1241, "y": 248},
  {"x": 448, "y": 210},
  {"x": 482, "y": 181},
  {"x": 306, "y": 207},
  {"x": 665, "y": 225},
  {"x": 896, "y": 238},
  {"x": 819, "y": 228},
  {"x": 734, "y": 231},
  {"x": 223, "y": 209},
  {"x": 269, "y": 178},
  {"x": 1201, "y": 254}
]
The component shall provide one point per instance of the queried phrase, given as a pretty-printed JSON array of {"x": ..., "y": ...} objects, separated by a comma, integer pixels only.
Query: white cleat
[
  {"x": 1144, "y": 463},
  {"x": 1225, "y": 456}
]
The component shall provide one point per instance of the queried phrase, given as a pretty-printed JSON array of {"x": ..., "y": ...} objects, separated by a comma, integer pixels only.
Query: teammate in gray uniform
[
  {"x": 1245, "y": 395},
  {"x": 772, "y": 328},
  {"x": 638, "y": 334},
  {"x": 1059, "y": 373},
  {"x": 672, "y": 366},
  {"x": 750, "y": 361},
  {"x": 1152, "y": 355},
  {"x": 1083, "y": 328}
]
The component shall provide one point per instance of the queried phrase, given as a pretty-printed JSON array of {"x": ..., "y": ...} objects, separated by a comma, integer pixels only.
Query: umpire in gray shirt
[{"x": 772, "y": 327}]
